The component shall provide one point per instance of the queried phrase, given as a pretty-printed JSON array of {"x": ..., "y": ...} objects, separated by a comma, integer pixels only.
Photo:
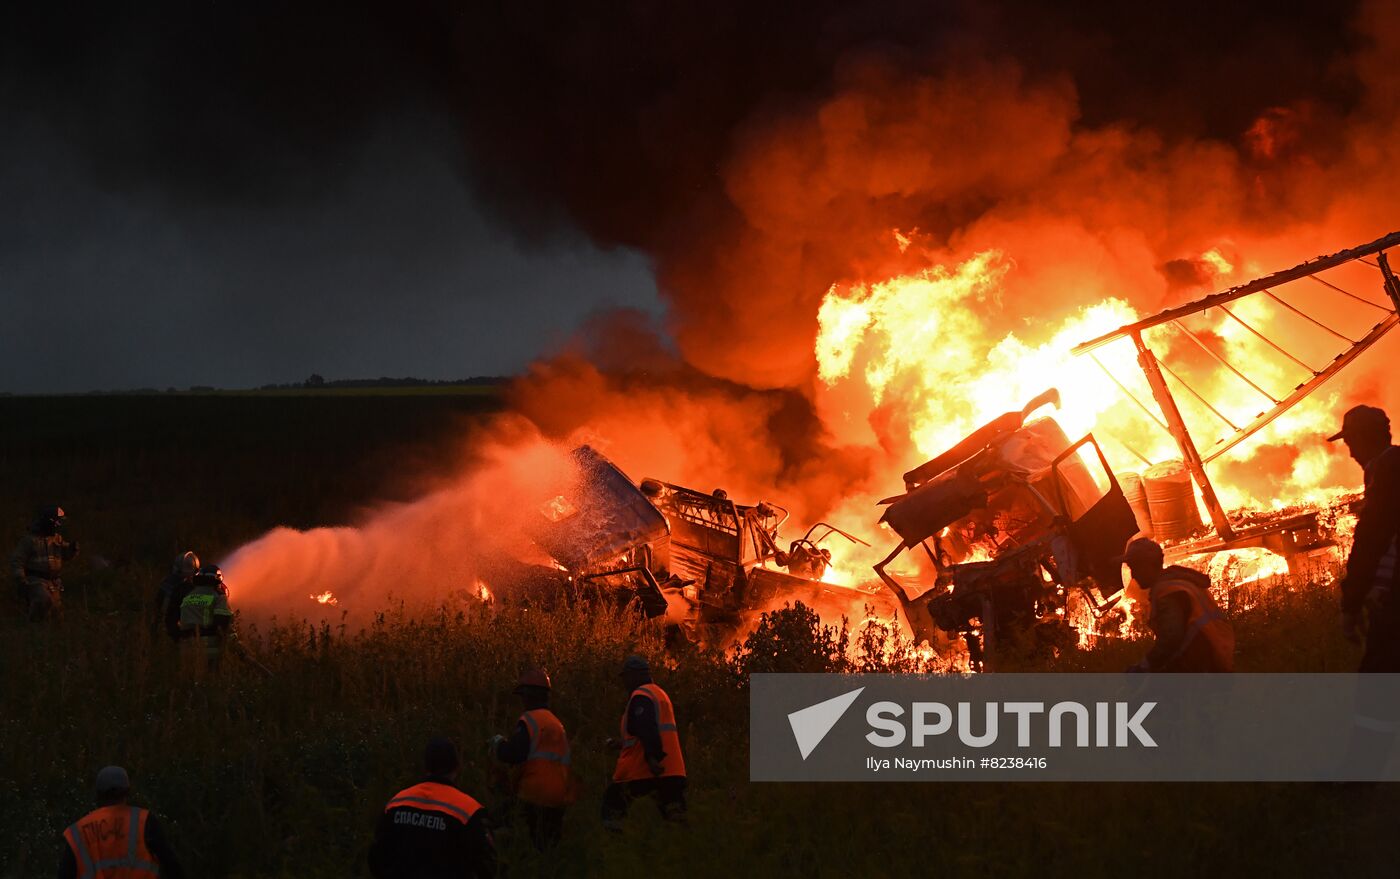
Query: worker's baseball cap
[
  {"x": 1362, "y": 419},
  {"x": 1140, "y": 550},
  {"x": 635, "y": 663},
  {"x": 112, "y": 779}
]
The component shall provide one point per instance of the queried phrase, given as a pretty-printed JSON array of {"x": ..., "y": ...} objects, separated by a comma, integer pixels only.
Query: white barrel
[
  {"x": 1171, "y": 501},
  {"x": 1133, "y": 490}
]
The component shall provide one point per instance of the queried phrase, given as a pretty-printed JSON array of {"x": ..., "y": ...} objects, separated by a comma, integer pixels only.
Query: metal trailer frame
[{"x": 1288, "y": 535}]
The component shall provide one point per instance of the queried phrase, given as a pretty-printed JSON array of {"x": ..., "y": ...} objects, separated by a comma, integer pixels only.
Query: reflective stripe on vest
[
  {"x": 536, "y": 753},
  {"x": 1203, "y": 612},
  {"x": 632, "y": 762},
  {"x": 543, "y": 778},
  {"x": 660, "y": 727},
  {"x": 436, "y": 797},
  {"x": 136, "y": 860}
]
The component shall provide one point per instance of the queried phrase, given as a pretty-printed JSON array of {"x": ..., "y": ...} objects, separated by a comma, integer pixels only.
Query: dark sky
[
  {"x": 394, "y": 270},
  {"x": 174, "y": 213},
  {"x": 201, "y": 192}
]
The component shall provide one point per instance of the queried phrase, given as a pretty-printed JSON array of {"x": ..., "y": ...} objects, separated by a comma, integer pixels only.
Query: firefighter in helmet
[
  {"x": 171, "y": 594},
  {"x": 36, "y": 565},
  {"x": 649, "y": 761},
  {"x": 542, "y": 782},
  {"x": 205, "y": 615}
]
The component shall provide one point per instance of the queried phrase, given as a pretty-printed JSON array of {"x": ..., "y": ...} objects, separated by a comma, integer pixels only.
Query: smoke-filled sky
[
  {"x": 239, "y": 193},
  {"x": 394, "y": 270}
]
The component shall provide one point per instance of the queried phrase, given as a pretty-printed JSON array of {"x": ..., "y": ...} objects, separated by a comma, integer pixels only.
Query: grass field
[{"x": 283, "y": 777}]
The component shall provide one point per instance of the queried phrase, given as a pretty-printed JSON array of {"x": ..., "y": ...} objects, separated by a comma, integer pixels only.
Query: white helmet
[{"x": 187, "y": 564}]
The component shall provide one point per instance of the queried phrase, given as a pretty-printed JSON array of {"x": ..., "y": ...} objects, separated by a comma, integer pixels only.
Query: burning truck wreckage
[
  {"x": 699, "y": 560},
  {"x": 997, "y": 536}
]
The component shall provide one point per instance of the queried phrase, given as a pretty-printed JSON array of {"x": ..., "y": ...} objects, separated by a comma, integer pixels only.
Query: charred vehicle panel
[
  {"x": 727, "y": 561},
  {"x": 599, "y": 534},
  {"x": 699, "y": 559},
  {"x": 605, "y": 519},
  {"x": 997, "y": 530}
]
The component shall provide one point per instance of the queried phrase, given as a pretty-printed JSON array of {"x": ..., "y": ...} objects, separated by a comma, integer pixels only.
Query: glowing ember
[{"x": 1241, "y": 567}]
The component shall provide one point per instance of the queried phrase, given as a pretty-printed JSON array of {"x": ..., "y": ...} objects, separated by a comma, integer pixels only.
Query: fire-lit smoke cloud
[
  {"x": 760, "y": 159},
  {"x": 621, "y": 391},
  {"x": 898, "y": 159},
  {"x": 995, "y": 182},
  {"x": 420, "y": 553}
]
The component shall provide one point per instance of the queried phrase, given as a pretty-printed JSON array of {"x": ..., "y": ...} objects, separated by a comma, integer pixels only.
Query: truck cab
[{"x": 996, "y": 531}]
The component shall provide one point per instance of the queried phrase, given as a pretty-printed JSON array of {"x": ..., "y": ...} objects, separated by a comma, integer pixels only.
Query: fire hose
[{"x": 247, "y": 656}]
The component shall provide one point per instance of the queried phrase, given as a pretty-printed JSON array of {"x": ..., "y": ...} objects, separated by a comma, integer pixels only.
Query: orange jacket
[
  {"x": 1208, "y": 644},
  {"x": 110, "y": 843},
  {"x": 432, "y": 829},
  {"x": 429, "y": 796},
  {"x": 544, "y": 776},
  {"x": 632, "y": 762}
]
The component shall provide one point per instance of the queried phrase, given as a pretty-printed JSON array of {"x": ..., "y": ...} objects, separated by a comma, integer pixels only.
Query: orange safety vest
[
  {"x": 1209, "y": 643},
  {"x": 110, "y": 843},
  {"x": 632, "y": 762},
  {"x": 544, "y": 776},
  {"x": 429, "y": 796}
]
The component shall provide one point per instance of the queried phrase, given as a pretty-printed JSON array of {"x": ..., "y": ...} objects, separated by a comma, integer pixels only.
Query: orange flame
[
  {"x": 924, "y": 342},
  {"x": 916, "y": 362}
]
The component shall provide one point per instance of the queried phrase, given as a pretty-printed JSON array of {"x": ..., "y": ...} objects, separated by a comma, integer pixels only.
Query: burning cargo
[{"x": 699, "y": 560}]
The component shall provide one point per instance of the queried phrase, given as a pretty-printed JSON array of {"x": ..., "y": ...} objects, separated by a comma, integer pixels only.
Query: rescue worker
[
  {"x": 1368, "y": 602},
  {"x": 433, "y": 829},
  {"x": 1370, "y": 609},
  {"x": 1192, "y": 634},
  {"x": 205, "y": 616},
  {"x": 539, "y": 749},
  {"x": 171, "y": 595},
  {"x": 37, "y": 564},
  {"x": 116, "y": 840},
  {"x": 650, "y": 762}
]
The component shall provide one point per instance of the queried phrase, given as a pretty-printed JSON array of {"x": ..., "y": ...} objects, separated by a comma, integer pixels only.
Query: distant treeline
[{"x": 315, "y": 381}]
